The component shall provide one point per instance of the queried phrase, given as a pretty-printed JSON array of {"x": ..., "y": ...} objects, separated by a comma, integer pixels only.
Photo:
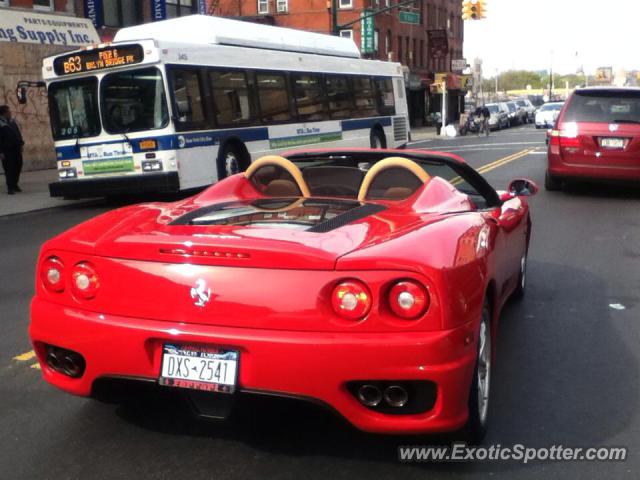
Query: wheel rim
[
  {"x": 377, "y": 143},
  {"x": 230, "y": 164},
  {"x": 523, "y": 272},
  {"x": 484, "y": 371}
]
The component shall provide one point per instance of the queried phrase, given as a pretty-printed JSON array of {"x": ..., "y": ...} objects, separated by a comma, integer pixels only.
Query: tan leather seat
[
  {"x": 396, "y": 192},
  {"x": 295, "y": 186}
]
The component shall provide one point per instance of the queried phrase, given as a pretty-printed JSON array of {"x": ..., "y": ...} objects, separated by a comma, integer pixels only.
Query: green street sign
[
  {"x": 409, "y": 17},
  {"x": 367, "y": 33}
]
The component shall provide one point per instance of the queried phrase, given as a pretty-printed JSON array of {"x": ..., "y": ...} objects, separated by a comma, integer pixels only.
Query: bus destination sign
[{"x": 98, "y": 59}]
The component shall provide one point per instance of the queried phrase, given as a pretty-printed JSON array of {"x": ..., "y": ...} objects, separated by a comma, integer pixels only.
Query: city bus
[{"x": 185, "y": 102}]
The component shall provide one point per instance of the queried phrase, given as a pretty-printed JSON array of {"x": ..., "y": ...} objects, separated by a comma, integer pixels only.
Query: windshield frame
[
  {"x": 106, "y": 124},
  {"x": 97, "y": 117}
]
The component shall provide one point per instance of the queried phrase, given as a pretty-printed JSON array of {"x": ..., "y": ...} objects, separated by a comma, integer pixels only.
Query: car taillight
[
  {"x": 84, "y": 280},
  {"x": 566, "y": 136},
  {"x": 351, "y": 299},
  {"x": 51, "y": 274},
  {"x": 408, "y": 299}
]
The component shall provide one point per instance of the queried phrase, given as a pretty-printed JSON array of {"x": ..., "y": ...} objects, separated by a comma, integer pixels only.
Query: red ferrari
[{"x": 370, "y": 281}]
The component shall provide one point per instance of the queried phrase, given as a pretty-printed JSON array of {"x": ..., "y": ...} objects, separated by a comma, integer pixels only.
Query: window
[
  {"x": 74, "y": 109},
  {"x": 263, "y": 6},
  {"x": 310, "y": 103},
  {"x": 188, "y": 99},
  {"x": 134, "y": 101},
  {"x": 340, "y": 96},
  {"x": 365, "y": 97},
  {"x": 282, "y": 6},
  {"x": 346, "y": 4},
  {"x": 346, "y": 34},
  {"x": 384, "y": 96},
  {"x": 231, "y": 97},
  {"x": 4, "y": 3},
  {"x": 46, "y": 5},
  {"x": 376, "y": 40},
  {"x": 122, "y": 13},
  {"x": 387, "y": 43},
  {"x": 179, "y": 8},
  {"x": 273, "y": 97},
  {"x": 399, "y": 43}
]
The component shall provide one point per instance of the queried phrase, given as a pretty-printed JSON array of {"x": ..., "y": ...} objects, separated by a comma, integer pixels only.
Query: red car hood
[{"x": 146, "y": 233}]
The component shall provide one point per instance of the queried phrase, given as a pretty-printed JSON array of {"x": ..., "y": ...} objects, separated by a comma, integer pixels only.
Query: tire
[
  {"x": 521, "y": 288},
  {"x": 377, "y": 139},
  {"x": 231, "y": 160},
  {"x": 551, "y": 183},
  {"x": 476, "y": 426}
]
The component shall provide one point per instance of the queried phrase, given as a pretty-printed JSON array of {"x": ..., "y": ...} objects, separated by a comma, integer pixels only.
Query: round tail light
[
  {"x": 351, "y": 299},
  {"x": 408, "y": 299},
  {"x": 52, "y": 274},
  {"x": 84, "y": 280}
]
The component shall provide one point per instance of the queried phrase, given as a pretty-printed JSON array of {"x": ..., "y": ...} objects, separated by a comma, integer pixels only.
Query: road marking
[
  {"x": 475, "y": 145},
  {"x": 503, "y": 161},
  {"x": 25, "y": 356},
  {"x": 36, "y": 366}
]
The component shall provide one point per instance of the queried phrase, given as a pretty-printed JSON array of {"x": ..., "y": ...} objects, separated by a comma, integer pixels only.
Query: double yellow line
[{"x": 503, "y": 161}]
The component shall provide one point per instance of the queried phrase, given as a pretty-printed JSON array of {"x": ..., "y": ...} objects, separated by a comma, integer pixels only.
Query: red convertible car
[{"x": 370, "y": 281}]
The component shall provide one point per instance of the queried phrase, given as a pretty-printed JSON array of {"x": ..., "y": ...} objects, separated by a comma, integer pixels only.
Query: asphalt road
[{"x": 567, "y": 369}]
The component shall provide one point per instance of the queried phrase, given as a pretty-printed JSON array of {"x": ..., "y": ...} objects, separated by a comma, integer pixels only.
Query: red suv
[{"x": 597, "y": 136}]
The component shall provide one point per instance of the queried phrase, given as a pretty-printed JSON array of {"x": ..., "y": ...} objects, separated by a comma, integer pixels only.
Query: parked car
[
  {"x": 516, "y": 114},
  {"x": 536, "y": 100},
  {"x": 498, "y": 119},
  {"x": 528, "y": 107},
  {"x": 547, "y": 114},
  {"x": 597, "y": 136},
  {"x": 370, "y": 281}
]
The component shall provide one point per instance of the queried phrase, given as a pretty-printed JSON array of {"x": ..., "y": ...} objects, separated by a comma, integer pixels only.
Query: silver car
[{"x": 528, "y": 107}]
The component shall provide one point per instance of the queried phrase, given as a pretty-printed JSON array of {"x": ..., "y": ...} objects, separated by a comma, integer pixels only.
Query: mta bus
[{"x": 183, "y": 103}]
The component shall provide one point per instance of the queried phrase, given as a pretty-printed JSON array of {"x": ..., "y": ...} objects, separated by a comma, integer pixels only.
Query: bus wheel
[
  {"x": 230, "y": 161},
  {"x": 377, "y": 140}
]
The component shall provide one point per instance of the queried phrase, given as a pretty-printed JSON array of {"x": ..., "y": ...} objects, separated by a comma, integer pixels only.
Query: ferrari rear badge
[{"x": 201, "y": 293}]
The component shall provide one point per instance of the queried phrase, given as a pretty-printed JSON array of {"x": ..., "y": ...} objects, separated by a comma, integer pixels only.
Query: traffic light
[
  {"x": 473, "y": 9},
  {"x": 466, "y": 10}
]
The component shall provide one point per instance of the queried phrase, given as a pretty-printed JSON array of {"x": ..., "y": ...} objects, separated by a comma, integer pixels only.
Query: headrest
[
  {"x": 283, "y": 164},
  {"x": 386, "y": 164}
]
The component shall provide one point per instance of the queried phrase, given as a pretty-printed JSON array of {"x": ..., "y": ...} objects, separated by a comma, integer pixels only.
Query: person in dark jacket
[{"x": 11, "y": 144}]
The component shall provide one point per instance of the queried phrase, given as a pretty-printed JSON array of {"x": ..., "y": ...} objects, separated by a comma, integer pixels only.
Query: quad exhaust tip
[
  {"x": 370, "y": 395},
  {"x": 373, "y": 396},
  {"x": 64, "y": 361},
  {"x": 396, "y": 396}
]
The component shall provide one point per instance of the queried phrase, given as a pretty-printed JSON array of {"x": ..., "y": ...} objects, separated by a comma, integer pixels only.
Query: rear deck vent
[
  {"x": 203, "y": 252},
  {"x": 350, "y": 216}
]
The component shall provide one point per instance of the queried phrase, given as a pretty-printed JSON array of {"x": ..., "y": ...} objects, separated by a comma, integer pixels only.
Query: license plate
[
  {"x": 612, "y": 142},
  {"x": 211, "y": 369}
]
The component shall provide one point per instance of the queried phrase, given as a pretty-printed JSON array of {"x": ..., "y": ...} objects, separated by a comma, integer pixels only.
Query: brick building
[{"x": 400, "y": 35}]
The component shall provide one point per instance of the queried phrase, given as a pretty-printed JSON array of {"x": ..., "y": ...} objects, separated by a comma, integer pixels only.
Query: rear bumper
[
  {"x": 309, "y": 365},
  {"x": 557, "y": 167},
  {"x": 167, "y": 182}
]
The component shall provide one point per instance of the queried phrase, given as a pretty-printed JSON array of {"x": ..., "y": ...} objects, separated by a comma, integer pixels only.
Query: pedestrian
[
  {"x": 11, "y": 144},
  {"x": 486, "y": 114}
]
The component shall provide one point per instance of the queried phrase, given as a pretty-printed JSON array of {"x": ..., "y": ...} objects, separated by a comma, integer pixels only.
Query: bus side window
[
  {"x": 309, "y": 96},
  {"x": 188, "y": 99},
  {"x": 231, "y": 97},
  {"x": 384, "y": 94},
  {"x": 339, "y": 96},
  {"x": 274, "y": 97},
  {"x": 365, "y": 97}
]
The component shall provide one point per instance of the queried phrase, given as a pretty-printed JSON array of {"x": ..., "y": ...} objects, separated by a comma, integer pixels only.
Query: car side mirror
[
  {"x": 21, "y": 94},
  {"x": 522, "y": 187}
]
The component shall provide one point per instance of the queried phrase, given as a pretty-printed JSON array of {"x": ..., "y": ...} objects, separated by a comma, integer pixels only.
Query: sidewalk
[
  {"x": 34, "y": 195},
  {"x": 423, "y": 133}
]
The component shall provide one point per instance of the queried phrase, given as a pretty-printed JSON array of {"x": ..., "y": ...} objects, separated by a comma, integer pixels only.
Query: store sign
[
  {"x": 438, "y": 43},
  {"x": 158, "y": 9},
  {"x": 458, "y": 64},
  {"x": 367, "y": 30},
  {"x": 98, "y": 59},
  {"x": 93, "y": 11},
  {"x": 28, "y": 27}
]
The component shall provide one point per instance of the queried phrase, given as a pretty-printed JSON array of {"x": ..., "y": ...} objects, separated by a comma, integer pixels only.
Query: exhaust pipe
[
  {"x": 71, "y": 366},
  {"x": 396, "y": 396},
  {"x": 52, "y": 359},
  {"x": 65, "y": 361},
  {"x": 369, "y": 395}
]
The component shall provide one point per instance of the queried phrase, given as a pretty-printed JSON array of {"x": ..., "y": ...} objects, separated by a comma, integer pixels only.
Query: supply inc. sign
[{"x": 30, "y": 27}]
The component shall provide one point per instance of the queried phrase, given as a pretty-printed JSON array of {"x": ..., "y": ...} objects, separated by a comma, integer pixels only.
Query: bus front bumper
[{"x": 165, "y": 182}]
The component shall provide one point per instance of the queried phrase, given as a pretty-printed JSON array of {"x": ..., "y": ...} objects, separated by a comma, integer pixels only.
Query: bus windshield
[
  {"x": 134, "y": 101},
  {"x": 74, "y": 109}
]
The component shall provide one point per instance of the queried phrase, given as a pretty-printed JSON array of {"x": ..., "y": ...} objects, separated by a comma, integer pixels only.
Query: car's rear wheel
[
  {"x": 476, "y": 426},
  {"x": 552, "y": 183},
  {"x": 522, "y": 279}
]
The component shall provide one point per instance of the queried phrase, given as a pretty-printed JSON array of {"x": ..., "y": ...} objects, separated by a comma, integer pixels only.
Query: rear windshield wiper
[{"x": 626, "y": 121}]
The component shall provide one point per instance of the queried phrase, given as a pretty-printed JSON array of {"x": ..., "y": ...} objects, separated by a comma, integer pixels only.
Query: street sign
[
  {"x": 367, "y": 32},
  {"x": 458, "y": 64},
  {"x": 409, "y": 17}
]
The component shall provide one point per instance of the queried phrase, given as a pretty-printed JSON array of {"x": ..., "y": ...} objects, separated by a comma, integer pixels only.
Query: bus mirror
[{"x": 21, "y": 94}]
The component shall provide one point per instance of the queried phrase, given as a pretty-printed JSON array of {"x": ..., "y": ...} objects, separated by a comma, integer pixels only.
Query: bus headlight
[
  {"x": 151, "y": 166},
  {"x": 67, "y": 173}
]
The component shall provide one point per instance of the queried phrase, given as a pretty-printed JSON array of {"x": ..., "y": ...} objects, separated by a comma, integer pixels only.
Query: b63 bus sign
[{"x": 98, "y": 59}]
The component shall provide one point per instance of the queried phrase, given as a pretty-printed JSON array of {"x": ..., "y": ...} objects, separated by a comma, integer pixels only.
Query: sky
[{"x": 538, "y": 34}]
